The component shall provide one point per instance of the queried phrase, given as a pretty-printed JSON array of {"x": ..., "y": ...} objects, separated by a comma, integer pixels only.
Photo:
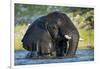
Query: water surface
[{"x": 81, "y": 55}]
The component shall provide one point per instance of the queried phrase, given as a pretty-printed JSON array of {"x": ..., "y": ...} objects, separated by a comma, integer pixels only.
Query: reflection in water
[{"x": 81, "y": 55}]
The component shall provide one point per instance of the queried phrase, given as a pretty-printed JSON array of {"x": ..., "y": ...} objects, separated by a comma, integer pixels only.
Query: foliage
[{"x": 19, "y": 33}]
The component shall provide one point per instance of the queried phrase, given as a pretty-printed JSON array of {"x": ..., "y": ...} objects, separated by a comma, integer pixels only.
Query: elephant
[
  {"x": 67, "y": 29},
  {"x": 51, "y": 33}
]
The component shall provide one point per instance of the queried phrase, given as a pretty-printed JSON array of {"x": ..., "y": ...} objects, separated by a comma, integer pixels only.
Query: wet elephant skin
[{"x": 46, "y": 35}]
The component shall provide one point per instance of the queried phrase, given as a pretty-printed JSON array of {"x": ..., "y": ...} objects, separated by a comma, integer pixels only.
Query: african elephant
[
  {"x": 51, "y": 33},
  {"x": 66, "y": 28}
]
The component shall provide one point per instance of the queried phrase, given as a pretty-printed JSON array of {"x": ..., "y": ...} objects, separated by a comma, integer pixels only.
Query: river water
[{"x": 81, "y": 55}]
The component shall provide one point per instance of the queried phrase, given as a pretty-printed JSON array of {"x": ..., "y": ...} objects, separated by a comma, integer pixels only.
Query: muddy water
[{"x": 81, "y": 55}]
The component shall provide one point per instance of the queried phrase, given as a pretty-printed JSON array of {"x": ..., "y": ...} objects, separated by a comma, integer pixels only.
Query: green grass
[{"x": 88, "y": 38}]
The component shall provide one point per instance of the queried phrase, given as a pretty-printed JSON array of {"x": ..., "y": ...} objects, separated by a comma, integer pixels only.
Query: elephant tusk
[{"x": 67, "y": 37}]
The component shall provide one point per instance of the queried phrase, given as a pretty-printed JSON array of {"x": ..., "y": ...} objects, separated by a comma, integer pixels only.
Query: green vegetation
[
  {"x": 88, "y": 39},
  {"x": 19, "y": 33},
  {"x": 83, "y": 18}
]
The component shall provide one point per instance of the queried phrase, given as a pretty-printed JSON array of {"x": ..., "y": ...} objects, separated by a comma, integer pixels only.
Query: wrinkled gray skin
[
  {"x": 38, "y": 40},
  {"x": 46, "y": 35},
  {"x": 59, "y": 41}
]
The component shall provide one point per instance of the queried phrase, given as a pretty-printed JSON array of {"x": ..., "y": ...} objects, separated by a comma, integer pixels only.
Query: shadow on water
[{"x": 81, "y": 55}]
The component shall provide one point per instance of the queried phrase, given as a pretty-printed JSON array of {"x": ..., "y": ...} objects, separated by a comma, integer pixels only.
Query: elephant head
[{"x": 66, "y": 30}]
